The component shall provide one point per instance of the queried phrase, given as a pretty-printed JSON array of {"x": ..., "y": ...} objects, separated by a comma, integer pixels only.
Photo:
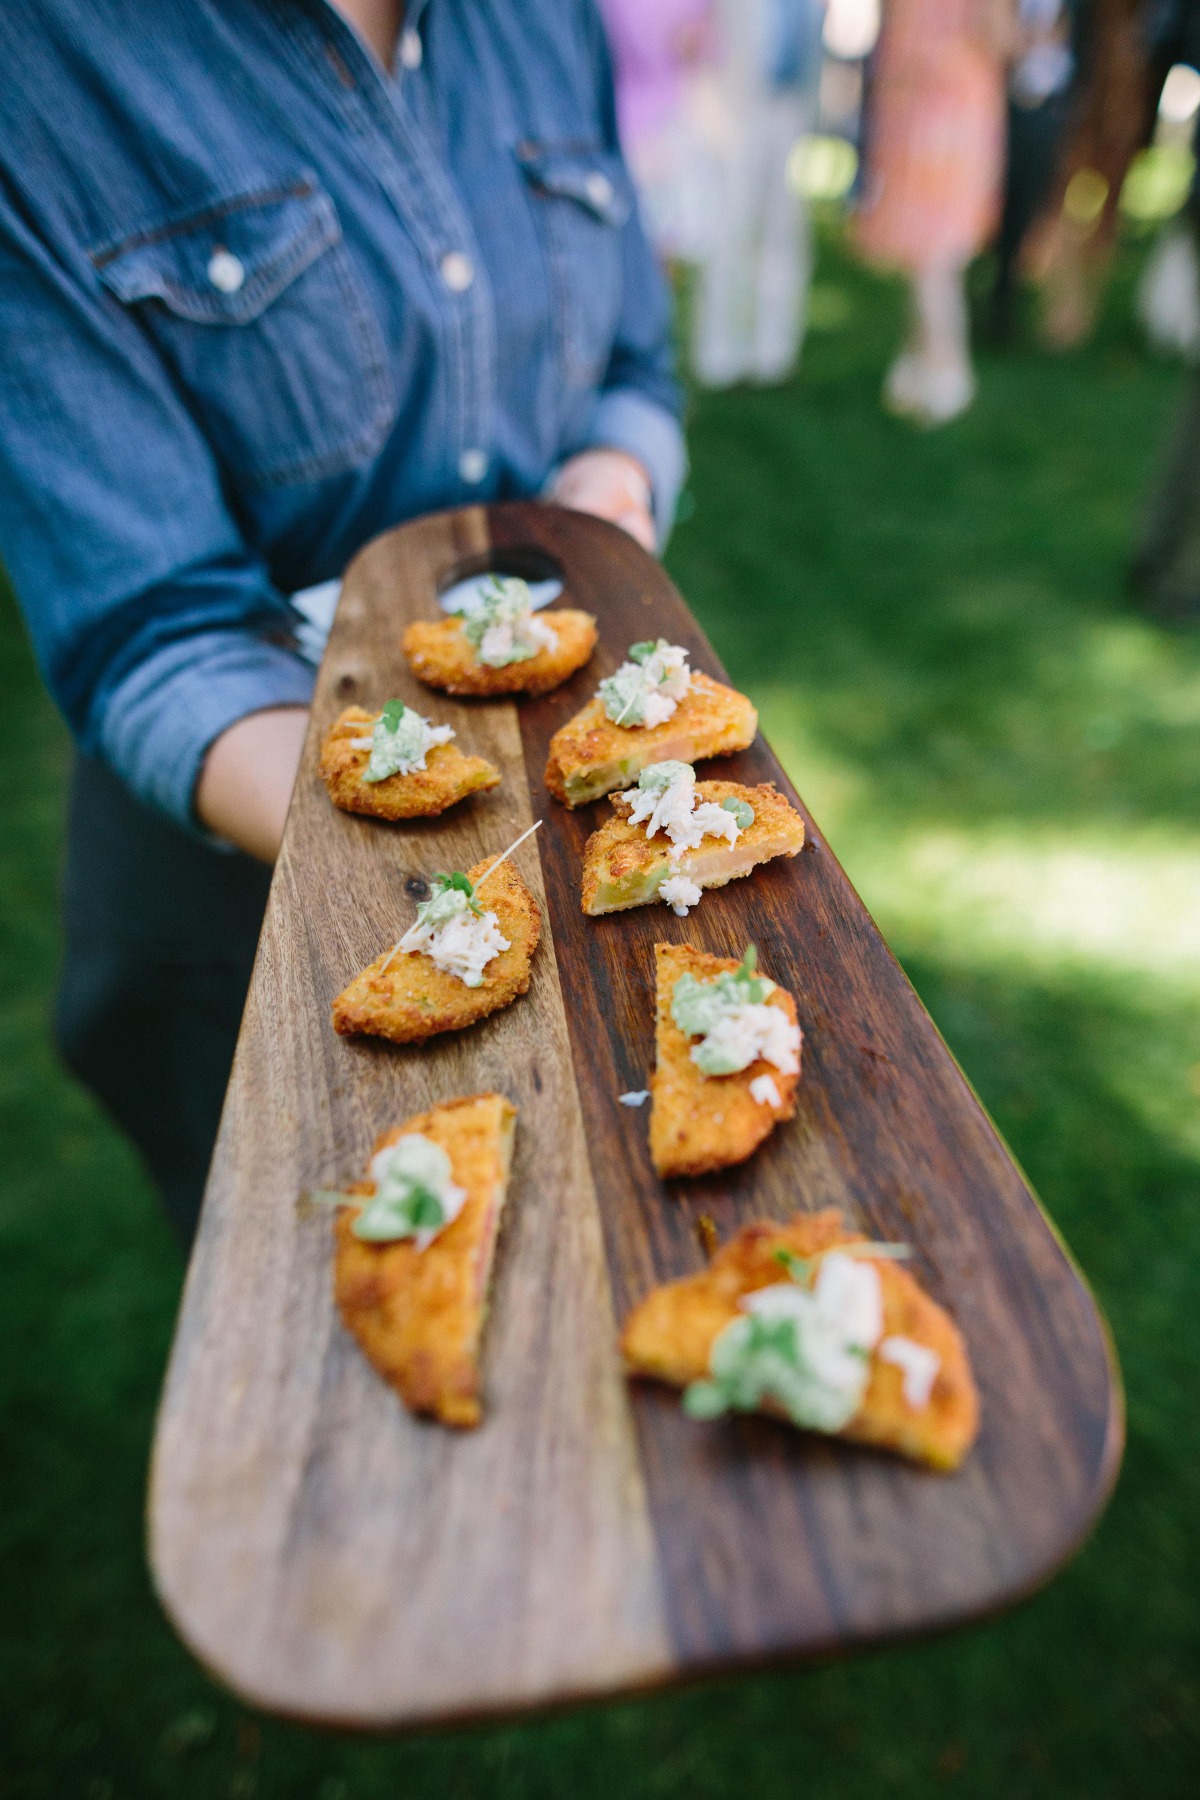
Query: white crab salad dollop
[
  {"x": 806, "y": 1348},
  {"x": 666, "y": 801},
  {"x": 680, "y": 893},
  {"x": 400, "y": 741},
  {"x": 736, "y": 1025},
  {"x": 503, "y": 628},
  {"x": 648, "y": 687},
  {"x": 454, "y": 932},
  {"x": 415, "y": 1195}
]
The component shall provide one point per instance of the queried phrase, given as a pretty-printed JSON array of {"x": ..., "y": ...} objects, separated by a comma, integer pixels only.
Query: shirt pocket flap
[
  {"x": 226, "y": 264},
  {"x": 595, "y": 179}
]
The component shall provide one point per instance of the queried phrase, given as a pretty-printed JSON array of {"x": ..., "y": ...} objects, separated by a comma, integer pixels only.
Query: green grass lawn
[{"x": 1007, "y": 759}]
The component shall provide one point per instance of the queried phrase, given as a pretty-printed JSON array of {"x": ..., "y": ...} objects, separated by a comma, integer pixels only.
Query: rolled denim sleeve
[
  {"x": 150, "y": 618},
  {"x": 625, "y": 419}
]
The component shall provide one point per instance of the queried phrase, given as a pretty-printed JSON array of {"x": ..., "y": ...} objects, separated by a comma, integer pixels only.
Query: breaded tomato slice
[
  {"x": 622, "y": 867},
  {"x": 919, "y": 1396},
  {"x": 441, "y": 655},
  {"x": 702, "y": 1122},
  {"x": 407, "y": 998},
  {"x": 418, "y": 1313},
  {"x": 590, "y": 756},
  {"x": 448, "y": 776}
]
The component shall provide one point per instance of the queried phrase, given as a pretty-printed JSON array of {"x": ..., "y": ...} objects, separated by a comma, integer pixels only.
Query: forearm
[
  {"x": 246, "y": 781},
  {"x": 649, "y": 434}
]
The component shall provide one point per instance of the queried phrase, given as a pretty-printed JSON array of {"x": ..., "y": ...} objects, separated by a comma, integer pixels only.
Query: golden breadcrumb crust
[
  {"x": 418, "y": 1314},
  {"x": 448, "y": 775},
  {"x": 670, "y": 1336},
  {"x": 622, "y": 867},
  {"x": 702, "y": 1122},
  {"x": 441, "y": 655},
  {"x": 590, "y": 756},
  {"x": 410, "y": 999}
]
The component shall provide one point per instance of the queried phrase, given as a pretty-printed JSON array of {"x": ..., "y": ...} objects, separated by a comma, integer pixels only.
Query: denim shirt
[{"x": 261, "y": 300}]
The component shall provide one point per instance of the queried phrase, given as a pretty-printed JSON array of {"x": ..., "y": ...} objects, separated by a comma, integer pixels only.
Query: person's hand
[
  {"x": 612, "y": 485},
  {"x": 246, "y": 782}
]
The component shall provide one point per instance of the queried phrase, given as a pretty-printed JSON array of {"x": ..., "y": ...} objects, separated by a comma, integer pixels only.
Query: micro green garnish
[
  {"x": 752, "y": 1357},
  {"x": 800, "y": 1268},
  {"x": 400, "y": 740},
  {"x": 506, "y": 602},
  {"x": 419, "y": 1209},
  {"x": 456, "y": 883},
  {"x": 652, "y": 667},
  {"x": 697, "y": 1007},
  {"x": 415, "y": 1193},
  {"x": 742, "y": 811},
  {"x": 461, "y": 883},
  {"x": 802, "y": 1345}
]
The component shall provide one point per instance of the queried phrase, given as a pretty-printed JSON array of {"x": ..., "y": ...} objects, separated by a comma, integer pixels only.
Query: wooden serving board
[{"x": 329, "y": 1556}]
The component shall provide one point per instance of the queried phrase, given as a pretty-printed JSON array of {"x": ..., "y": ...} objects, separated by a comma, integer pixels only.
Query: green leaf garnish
[
  {"x": 463, "y": 884},
  {"x": 640, "y": 653},
  {"x": 392, "y": 714},
  {"x": 798, "y": 1267}
]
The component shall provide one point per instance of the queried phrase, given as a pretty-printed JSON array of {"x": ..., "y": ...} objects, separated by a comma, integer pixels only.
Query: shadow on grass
[
  {"x": 946, "y": 610},
  {"x": 1069, "y": 1695}
]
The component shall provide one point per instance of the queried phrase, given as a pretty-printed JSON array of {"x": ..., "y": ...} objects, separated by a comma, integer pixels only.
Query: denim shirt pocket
[
  {"x": 254, "y": 305},
  {"x": 581, "y": 197}
]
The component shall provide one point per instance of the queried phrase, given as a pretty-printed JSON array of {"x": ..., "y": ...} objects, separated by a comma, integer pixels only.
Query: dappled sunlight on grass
[{"x": 1045, "y": 901}]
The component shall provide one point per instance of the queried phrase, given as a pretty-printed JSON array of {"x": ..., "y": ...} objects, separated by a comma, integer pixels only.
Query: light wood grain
[
  {"x": 330, "y": 1557},
  {"x": 320, "y": 1549}
]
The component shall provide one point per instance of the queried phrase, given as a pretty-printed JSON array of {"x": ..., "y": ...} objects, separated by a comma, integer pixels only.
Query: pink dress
[
  {"x": 935, "y": 138},
  {"x": 654, "y": 43}
]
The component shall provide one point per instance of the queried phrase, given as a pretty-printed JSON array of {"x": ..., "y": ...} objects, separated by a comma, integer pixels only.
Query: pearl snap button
[
  {"x": 226, "y": 271},
  {"x": 599, "y": 189},
  {"x": 457, "y": 271},
  {"x": 411, "y": 51},
  {"x": 472, "y": 466}
]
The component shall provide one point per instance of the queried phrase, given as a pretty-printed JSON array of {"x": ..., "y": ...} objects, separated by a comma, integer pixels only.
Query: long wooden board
[{"x": 332, "y": 1558}]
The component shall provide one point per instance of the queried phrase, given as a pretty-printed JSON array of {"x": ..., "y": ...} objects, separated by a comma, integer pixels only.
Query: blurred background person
[
  {"x": 931, "y": 192},
  {"x": 662, "y": 51},
  {"x": 1041, "y": 94},
  {"x": 1128, "y": 51},
  {"x": 753, "y": 284}
]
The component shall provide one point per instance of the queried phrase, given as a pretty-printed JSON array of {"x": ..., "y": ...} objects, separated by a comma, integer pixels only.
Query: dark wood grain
[{"x": 333, "y": 1558}]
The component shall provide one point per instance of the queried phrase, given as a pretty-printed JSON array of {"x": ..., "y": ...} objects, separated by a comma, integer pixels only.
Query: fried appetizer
[
  {"x": 814, "y": 1324},
  {"x": 676, "y": 836},
  {"x": 414, "y": 1250},
  {"x": 727, "y": 1060},
  {"x": 503, "y": 647},
  {"x": 653, "y": 710},
  {"x": 397, "y": 765},
  {"x": 466, "y": 955}
]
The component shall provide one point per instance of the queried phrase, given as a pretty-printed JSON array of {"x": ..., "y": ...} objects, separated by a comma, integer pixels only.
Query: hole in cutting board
[{"x": 459, "y": 589}]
